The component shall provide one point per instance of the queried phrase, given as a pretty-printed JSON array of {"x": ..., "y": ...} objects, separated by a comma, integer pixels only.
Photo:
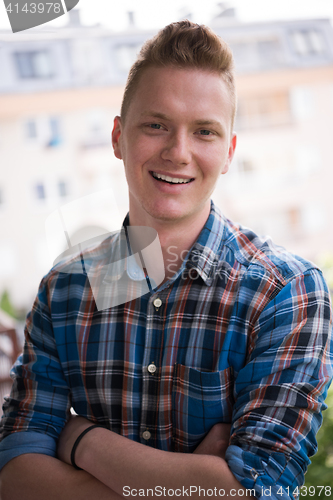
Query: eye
[
  {"x": 155, "y": 126},
  {"x": 204, "y": 132}
]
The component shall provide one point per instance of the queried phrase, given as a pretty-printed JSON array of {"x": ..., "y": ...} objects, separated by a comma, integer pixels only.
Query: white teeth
[{"x": 174, "y": 180}]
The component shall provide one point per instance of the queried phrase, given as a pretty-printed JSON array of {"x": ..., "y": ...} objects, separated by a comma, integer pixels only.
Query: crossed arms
[{"x": 111, "y": 461}]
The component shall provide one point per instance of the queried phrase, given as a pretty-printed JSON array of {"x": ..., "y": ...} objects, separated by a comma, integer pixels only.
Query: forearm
[
  {"x": 117, "y": 462},
  {"x": 37, "y": 477}
]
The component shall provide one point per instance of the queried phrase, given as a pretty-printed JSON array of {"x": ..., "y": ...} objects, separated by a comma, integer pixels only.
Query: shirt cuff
[
  {"x": 19, "y": 443},
  {"x": 274, "y": 477}
]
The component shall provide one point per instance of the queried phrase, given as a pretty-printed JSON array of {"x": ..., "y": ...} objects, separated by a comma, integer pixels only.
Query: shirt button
[
  {"x": 152, "y": 368},
  {"x": 157, "y": 303},
  {"x": 146, "y": 435}
]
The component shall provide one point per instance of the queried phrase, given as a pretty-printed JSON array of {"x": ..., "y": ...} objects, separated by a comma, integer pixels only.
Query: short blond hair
[{"x": 184, "y": 45}]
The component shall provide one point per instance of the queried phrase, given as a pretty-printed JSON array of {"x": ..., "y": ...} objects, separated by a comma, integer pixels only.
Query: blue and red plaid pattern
[{"x": 242, "y": 336}]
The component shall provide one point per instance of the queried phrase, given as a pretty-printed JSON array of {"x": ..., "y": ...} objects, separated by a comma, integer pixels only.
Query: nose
[{"x": 178, "y": 149}]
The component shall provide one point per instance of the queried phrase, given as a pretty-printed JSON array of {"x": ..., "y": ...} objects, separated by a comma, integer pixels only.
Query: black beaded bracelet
[{"x": 76, "y": 444}]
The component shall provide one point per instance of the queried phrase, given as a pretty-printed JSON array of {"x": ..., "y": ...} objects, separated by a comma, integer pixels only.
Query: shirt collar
[
  {"x": 206, "y": 251},
  {"x": 203, "y": 256}
]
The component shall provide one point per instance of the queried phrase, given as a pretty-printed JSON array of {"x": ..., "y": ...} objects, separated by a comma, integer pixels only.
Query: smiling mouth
[{"x": 170, "y": 180}]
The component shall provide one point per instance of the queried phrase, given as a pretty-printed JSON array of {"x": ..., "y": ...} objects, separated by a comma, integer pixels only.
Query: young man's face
[{"x": 175, "y": 143}]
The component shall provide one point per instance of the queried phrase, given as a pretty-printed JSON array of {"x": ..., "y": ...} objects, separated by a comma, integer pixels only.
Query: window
[
  {"x": 308, "y": 42},
  {"x": 254, "y": 54},
  {"x": 8, "y": 259},
  {"x": 270, "y": 53},
  {"x": 55, "y": 133},
  {"x": 302, "y": 102},
  {"x": 43, "y": 131},
  {"x": 97, "y": 129},
  {"x": 245, "y": 54},
  {"x": 33, "y": 64},
  {"x": 40, "y": 191},
  {"x": 62, "y": 189},
  {"x": 31, "y": 129},
  {"x": 264, "y": 110},
  {"x": 313, "y": 217}
]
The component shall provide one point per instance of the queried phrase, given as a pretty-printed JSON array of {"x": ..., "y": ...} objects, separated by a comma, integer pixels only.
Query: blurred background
[{"x": 61, "y": 85}]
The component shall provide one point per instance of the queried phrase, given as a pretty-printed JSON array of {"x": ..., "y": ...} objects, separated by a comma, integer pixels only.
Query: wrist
[{"x": 80, "y": 445}]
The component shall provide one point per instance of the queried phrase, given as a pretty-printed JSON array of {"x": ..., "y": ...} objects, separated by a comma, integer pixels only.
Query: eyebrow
[{"x": 162, "y": 116}]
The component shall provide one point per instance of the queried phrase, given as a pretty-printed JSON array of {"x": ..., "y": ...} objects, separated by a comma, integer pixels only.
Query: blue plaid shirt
[{"x": 241, "y": 334}]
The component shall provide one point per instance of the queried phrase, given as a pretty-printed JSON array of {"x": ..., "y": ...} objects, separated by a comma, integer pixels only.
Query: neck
[{"x": 176, "y": 237}]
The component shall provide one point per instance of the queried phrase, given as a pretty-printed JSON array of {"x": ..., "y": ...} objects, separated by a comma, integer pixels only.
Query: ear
[
  {"x": 116, "y": 135},
  {"x": 231, "y": 153}
]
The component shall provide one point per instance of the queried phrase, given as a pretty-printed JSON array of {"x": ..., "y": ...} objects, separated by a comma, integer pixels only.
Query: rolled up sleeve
[
  {"x": 20, "y": 443},
  {"x": 281, "y": 390},
  {"x": 39, "y": 403}
]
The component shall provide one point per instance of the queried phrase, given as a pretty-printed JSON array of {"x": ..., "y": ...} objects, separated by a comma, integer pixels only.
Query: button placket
[{"x": 150, "y": 372}]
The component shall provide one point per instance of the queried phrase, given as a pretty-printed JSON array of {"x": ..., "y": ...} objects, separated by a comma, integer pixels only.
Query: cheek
[
  {"x": 141, "y": 151},
  {"x": 214, "y": 163}
]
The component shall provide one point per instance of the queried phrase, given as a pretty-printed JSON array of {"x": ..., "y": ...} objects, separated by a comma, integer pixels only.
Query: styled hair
[{"x": 183, "y": 44}]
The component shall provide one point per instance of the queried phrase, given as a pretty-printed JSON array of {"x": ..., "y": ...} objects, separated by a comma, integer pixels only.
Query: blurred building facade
[
  {"x": 280, "y": 181},
  {"x": 59, "y": 92}
]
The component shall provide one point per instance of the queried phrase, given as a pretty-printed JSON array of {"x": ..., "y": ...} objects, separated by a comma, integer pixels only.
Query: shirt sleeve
[
  {"x": 280, "y": 392},
  {"x": 39, "y": 403},
  {"x": 20, "y": 443}
]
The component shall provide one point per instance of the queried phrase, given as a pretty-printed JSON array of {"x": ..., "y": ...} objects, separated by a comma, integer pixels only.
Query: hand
[
  {"x": 215, "y": 442},
  {"x": 68, "y": 436}
]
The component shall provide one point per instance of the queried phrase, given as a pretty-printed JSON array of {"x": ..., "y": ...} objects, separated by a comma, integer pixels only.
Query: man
[{"x": 212, "y": 382}]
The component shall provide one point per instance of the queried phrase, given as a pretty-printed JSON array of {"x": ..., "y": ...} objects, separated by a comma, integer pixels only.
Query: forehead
[{"x": 189, "y": 91}]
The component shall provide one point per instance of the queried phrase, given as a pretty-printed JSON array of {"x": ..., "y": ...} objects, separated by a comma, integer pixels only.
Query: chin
[
  {"x": 167, "y": 216},
  {"x": 171, "y": 216}
]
